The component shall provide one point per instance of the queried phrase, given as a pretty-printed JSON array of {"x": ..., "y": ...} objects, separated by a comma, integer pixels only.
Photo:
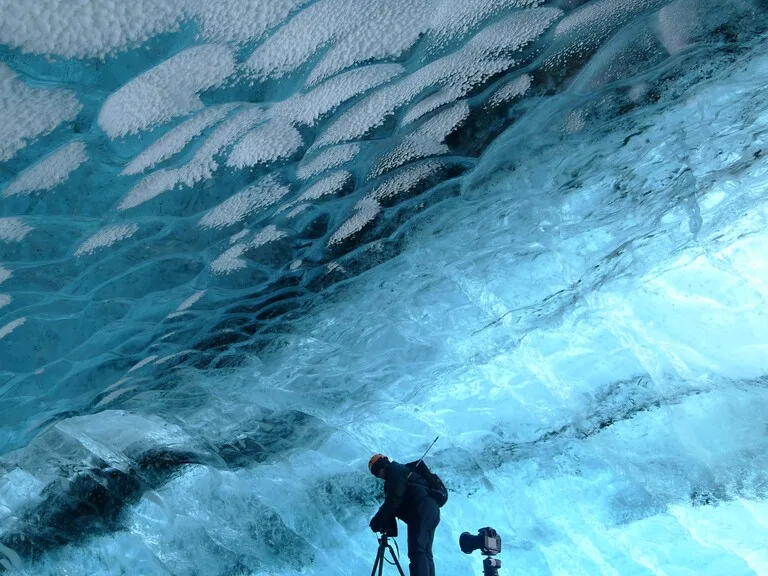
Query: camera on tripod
[{"x": 488, "y": 542}]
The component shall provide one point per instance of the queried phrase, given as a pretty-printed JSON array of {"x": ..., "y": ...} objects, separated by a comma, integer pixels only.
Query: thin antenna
[{"x": 422, "y": 457}]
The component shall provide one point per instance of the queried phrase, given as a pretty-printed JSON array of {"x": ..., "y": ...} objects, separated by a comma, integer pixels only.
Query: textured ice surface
[
  {"x": 106, "y": 237},
  {"x": 27, "y": 113},
  {"x": 49, "y": 172},
  {"x": 13, "y": 229},
  {"x": 245, "y": 244},
  {"x": 177, "y": 139},
  {"x": 166, "y": 91},
  {"x": 235, "y": 208},
  {"x": 326, "y": 160}
]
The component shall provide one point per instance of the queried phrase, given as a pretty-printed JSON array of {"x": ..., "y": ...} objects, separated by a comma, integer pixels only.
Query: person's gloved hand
[{"x": 375, "y": 524}]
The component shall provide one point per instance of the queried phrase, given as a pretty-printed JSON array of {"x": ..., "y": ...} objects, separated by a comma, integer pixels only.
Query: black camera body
[{"x": 488, "y": 541}]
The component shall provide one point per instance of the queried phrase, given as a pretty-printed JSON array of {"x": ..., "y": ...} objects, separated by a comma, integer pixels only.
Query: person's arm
[{"x": 396, "y": 484}]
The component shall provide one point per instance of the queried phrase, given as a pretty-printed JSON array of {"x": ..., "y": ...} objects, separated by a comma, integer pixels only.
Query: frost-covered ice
[
  {"x": 534, "y": 228},
  {"x": 512, "y": 89},
  {"x": 166, "y": 91},
  {"x": 484, "y": 55},
  {"x": 309, "y": 107},
  {"x": 365, "y": 211},
  {"x": 107, "y": 237},
  {"x": 267, "y": 143},
  {"x": 11, "y": 326},
  {"x": 241, "y": 20},
  {"x": 84, "y": 29},
  {"x": 327, "y": 159},
  {"x": 426, "y": 140},
  {"x": 177, "y": 139},
  {"x": 237, "y": 207},
  {"x": 231, "y": 260},
  {"x": 188, "y": 303},
  {"x": 326, "y": 186},
  {"x": 360, "y": 32},
  {"x": 50, "y": 171},
  {"x": 13, "y": 229},
  {"x": 27, "y": 113},
  {"x": 200, "y": 167}
]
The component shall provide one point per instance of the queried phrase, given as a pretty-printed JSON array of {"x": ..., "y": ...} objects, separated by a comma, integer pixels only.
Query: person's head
[{"x": 378, "y": 465}]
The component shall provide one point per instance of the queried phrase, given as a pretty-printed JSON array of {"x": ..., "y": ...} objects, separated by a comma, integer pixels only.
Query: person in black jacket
[{"x": 406, "y": 498}]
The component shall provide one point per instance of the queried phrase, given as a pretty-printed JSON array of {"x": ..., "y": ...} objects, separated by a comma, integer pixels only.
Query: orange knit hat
[{"x": 375, "y": 458}]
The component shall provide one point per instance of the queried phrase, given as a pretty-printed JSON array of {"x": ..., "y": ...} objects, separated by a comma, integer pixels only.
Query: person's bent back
[{"x": 407, "y": 498}]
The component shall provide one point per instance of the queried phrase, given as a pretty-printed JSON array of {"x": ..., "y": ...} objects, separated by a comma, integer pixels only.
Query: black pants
[{"x": 421, "y": 533}]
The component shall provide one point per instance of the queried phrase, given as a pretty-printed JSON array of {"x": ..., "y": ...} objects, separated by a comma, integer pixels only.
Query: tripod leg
[
  {"x": 376, "y": 563},
  {"x": 397, "y": 562},
  {"x": 379, "y": 563}
]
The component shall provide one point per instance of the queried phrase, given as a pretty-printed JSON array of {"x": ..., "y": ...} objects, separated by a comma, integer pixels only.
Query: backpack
[{"x": 435, "y": 487}]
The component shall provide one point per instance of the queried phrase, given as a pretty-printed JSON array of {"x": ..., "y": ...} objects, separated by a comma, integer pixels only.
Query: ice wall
[{"x": 241, "y": 251}]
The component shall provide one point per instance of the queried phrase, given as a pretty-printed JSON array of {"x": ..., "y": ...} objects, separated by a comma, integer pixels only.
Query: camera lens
[{"x": 469, "y": 543}]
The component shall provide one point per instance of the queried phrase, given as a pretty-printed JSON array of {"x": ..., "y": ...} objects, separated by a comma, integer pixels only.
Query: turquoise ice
[{"x": 246, "y": 244}]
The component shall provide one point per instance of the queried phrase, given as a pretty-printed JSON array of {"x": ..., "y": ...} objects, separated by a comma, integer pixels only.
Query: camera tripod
[
  {"x": 491, "y": 566},
  {"x": 384, "y": 545}
]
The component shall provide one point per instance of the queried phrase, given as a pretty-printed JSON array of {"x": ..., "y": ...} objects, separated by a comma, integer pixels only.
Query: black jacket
[{"x": 404, "y": 496}]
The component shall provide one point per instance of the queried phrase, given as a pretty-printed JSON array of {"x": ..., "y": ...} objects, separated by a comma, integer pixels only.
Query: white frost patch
[
  {"x": 231, "y": 260},
  {"x": 241, "y": 21},
  {"x": 106, "y": 237},
  {"x": 365, "y": 211},
  {"x": 191, "y": 300},
  {"x": 452, "y": 19},
  {"x": 239, "y": 236},
  {"x": 5, "y": 274},
  {"x": 188, "y": 303},
  {"x": 597, "y": 14},
  {"x": 404, "y": 181},
  {"x": 114, "y": 395},
  {"x": 85, "y": 29},
  {"x": 13, "y": 229},
  {"x": 176, "y": 139},
  {"x": 261, "y": 195},
  {"x": 356, "y": 32},
  {"x": 268, "y": 234},
  {"x": 11, "y": 326},
  {"x": 483, "y": 56},
  {"x": 327, "y": 159},
  {"x": 168, "y": 90},
  {"x": 676, "y": 23},
  {"x": 512, "y": 89},
  {"x": 295, "y": 265},
  {"x": 142, "y": 363},
  {"x": 310, "y": 107},
  {"x": 268, "y": 143},
  {"x": 426, "y": 140},
  {"x": 50, "y": 171},
  {"x": 298, "y": 210},
  {"x": 201, "y": 167},
  {"x": 331, "y": 184},
  {"x": 5, "y": 299},
  {"x": 373, "y": 30},
  {"x": 27, "y": 113},
  {"x": 327, "y": 186}
]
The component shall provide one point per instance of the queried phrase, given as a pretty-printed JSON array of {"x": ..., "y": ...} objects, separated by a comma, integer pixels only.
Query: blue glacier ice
[{"x": 245, "y": 244}]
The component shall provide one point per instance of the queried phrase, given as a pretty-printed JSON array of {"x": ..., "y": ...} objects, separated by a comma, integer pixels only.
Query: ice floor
[{"x": 244, "y": 245}]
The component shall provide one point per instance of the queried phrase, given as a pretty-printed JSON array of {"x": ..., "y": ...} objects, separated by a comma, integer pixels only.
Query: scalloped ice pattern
[{"x": 246, "y": 243}]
